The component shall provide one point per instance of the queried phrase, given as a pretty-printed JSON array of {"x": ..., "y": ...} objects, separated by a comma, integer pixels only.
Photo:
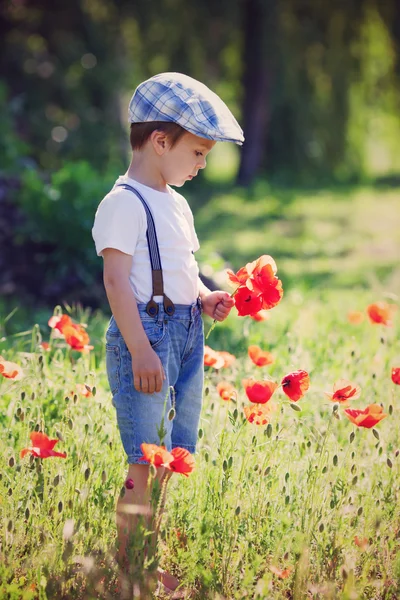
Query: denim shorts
[{"x": 178, "y": 340}]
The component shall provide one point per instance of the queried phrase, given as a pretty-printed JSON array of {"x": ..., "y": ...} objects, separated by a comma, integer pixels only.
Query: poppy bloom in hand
[
  {"x": 260, "y": 357},
  {"x": 226, "y": 390},
  {"x": 296, "y": 384},
  {"x": 343, "y": 391},
  {"x": 259, "y": 392},
  {"x": 396, "y": 375},
  {"x": 10, "y": 370},
  {"x": 367, "y": 417},
  {"x": 42, "y": 446},
  {"x": 258, "y": 287},
  {"x": 381, "y": 313},
  {"x": 262, "y": 315}
]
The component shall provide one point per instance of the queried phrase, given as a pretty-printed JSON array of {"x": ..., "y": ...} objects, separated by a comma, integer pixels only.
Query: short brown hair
[{"x": 140, "y": 132}]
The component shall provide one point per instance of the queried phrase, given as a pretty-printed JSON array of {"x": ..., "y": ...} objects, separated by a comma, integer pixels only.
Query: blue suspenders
[{"x": 155, "y": 259}]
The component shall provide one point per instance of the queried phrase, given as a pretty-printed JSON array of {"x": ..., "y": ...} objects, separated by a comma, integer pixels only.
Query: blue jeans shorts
[{"x": 178, "y": 340}]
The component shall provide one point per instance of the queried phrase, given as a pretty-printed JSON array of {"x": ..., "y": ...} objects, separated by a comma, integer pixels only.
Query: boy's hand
[
  {"x": 148, "y": 372},
  {"x": 217, "y": 305}
]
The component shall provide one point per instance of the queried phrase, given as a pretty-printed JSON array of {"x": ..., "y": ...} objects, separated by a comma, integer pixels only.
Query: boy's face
[{"x": 183, "y": 161}]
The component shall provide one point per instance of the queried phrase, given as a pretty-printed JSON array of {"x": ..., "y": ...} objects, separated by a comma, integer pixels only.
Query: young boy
[{"x": 155, "y": 337}]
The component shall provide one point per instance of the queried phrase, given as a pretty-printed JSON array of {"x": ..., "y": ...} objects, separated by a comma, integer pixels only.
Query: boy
[{"x": 155, "y": 338}]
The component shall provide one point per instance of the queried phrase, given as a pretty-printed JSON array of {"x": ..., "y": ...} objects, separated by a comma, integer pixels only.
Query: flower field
[{"x": 295, "y": 488}]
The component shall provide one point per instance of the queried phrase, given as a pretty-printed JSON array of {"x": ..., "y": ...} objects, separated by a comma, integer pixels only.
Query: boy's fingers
[
  {"x": 152, "y": 384},
  {"x": 144, "y": 385},
  {"x": 158, "y": 383},
  {"x": 136, "y": 383}
]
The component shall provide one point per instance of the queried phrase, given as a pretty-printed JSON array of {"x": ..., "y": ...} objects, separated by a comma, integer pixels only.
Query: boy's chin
[{"x": 178, "y": 183}]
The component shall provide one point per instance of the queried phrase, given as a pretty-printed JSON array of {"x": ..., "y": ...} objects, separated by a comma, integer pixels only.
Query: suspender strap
[{"x": 155, "y": 259}]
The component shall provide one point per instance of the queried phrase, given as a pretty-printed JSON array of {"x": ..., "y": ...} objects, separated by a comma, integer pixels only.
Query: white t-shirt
[{"x": 120, "y": 223}]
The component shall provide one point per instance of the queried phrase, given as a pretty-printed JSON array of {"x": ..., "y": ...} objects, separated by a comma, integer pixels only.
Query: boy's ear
[{"x": 159, "y": 139}]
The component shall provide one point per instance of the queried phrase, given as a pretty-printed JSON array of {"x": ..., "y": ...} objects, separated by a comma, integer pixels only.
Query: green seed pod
[
  {"x": 230, "y": 462},
  {"x": 224, "y": 466},
  {"x": 354, "y": 480},
  {"x": 9, "y": 525},
  {"x": 376, "y": 433},
  {"x": 70, "y": 424},
  {"x": 87, "y": 473},
  {"x": 206, "y": 456},
  {"x": 335, "y": 460},
  {"x": 11, "y": 461},
  {"x": 172, "y": 415},
  {"x": 23, "y": 395},
  {"x": 389, "y": 463},
  {"x": 360, "y": 511},
  {"x": 267, "y": 471},
  {"x": 269, "y": 430},
  {"x": 390, "y": 409},
  {"x": 237, "y": 511},
  {"x": 103, "y": 476},
  {"x": 94, "y": 390},
  {"x": 321, "y": 527},
  {"x": 56, "y": 480},
  {"x": 206, "y": 391},
  {"x": 286, "y": 476},
  {"x": 60, "y": 506},
  {"x": 287, "y": 500},
  {"x": 352, "y": 436},
  {"x": 324, "y": 469},
  {"x": 295, "y": 407},
  {"x": 27, "y": 513}
]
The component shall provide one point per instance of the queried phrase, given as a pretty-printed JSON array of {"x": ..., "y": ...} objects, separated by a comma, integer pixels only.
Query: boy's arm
[
  {"x": 146, "y": 365},
  {"x": 216, "y": 305}
]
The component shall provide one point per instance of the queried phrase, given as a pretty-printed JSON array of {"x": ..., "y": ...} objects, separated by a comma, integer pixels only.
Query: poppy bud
[{"x": 335, "y": 407}]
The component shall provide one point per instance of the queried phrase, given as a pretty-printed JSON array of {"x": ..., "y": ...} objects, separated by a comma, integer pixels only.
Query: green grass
[{"x": 292, "y": 494}]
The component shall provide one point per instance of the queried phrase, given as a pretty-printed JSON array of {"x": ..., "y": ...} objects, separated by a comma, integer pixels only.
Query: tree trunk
[{"x": 259, "y": 25}]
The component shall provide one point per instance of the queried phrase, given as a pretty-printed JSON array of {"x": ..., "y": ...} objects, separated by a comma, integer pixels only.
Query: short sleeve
[
  {"x": 189, "y": 217},
  {"x": 120, "y": 220}
]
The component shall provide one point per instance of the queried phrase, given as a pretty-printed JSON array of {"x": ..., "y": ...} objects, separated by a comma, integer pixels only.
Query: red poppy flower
[
  {"x": 45, "y": 346},
  {"x": 381, "y": 312},
  {"x": 183, "y": 461},
  {"x": 355, "y": 317},
  {"x": 259, "y": 392},
  {"x": 262, "y": 315},
  {"x": 396, "y": 375},
  {"x": 227, "y": 357},
  {"x": 259, "y": 415},
  {"x": 75, "y": 335},
  {"x": 155, "y": 455},
  {"x": 247, "y": 302},
  {"x": 212, "y": 358},
  {"x": 368, "y": 417},
  {"x": 343, "y": 391},
  {"x": 281, "y": 573},
  {"x": 10, "y": 370},
  {"x": 226, "y": 390},
  {"x": 361, "y": 542},
  {"x": 241, "y": 277},
  {"x": 296, "y": 384},
  {"x": 84, "y": 389},
  {"x": 260, "y": 357},
  {"x": 42, "y": 446}
]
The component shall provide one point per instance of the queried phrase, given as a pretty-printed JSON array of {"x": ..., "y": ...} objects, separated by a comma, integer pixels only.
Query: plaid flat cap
[{"x": 181, "y": 99}]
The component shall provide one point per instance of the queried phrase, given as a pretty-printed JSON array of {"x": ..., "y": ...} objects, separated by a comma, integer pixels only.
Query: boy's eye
[{"x": 199, "y": 153}]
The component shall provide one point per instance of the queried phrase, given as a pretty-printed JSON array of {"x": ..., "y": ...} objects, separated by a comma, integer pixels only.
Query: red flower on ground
[
  {"x": 362, "y": 543},
  {"x": 45, "y": 346},
  {"x": 259, "y": 414},
  {"x": 343, "y": 391},
  {"x": 355, "y": 317},
  {"x": 183, "y": 461},
  {"x": 262, "y": 315},
  {"x": 10, "y": 370},
  {"x": 155, "y": 455},
  {"x": 84, "y": 389},
  {"x": 259, "y": 392},
  {"x": 281, "y": 573},
  {"x": 296, "y": 384},
  {"x": 260, "y": 357},
  {"x": 42, "y": 446},
  {"x": 381, "y": 313},
  {"x": 396, "y": 375},
  {"x": 367, "y": 417},
  {"x": 75, "y": 335},
  {"x": 212, "y": 358},
  {"x": 226, "y": 390},
  {"x": 228, "y": 358}
]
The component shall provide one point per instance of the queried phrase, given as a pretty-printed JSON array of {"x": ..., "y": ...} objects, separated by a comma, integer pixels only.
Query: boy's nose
[{"x": 202, "y": 164}]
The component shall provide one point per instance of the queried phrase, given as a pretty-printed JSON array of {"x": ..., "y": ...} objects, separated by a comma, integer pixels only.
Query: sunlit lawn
[{"x": 305, "y": 507}]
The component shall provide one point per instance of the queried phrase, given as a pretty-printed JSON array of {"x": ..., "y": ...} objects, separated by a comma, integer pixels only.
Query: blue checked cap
[{"x": 178, "y": 98}]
